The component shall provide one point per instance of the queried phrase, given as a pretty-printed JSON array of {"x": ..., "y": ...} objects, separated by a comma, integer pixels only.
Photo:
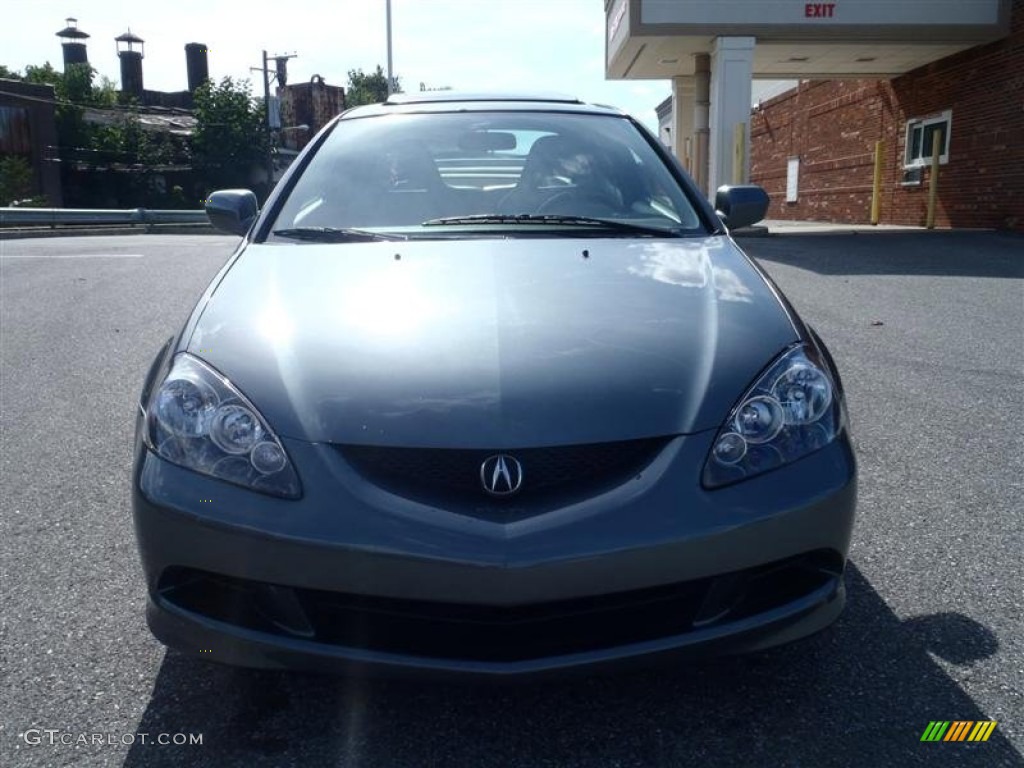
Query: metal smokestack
[
  {"x": 71, "y": 41},
  {"x": 197, "y": 65},
  {"x": 130, "y": 50}
]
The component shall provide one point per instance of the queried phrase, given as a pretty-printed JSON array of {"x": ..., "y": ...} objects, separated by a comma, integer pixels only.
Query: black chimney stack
[
  {"x": 130, "y": 50},
  {"x": 198, "y": 67},
  {"x": 71, "y": 40}
]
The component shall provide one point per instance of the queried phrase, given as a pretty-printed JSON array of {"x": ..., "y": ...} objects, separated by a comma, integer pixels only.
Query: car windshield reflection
[{"x": 490, "y": 171}]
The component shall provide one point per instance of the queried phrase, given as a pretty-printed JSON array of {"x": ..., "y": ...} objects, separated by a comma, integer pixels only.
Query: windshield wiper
[
  {"x": 555, "y": 220},
  {"x": 335, "y": 235}
]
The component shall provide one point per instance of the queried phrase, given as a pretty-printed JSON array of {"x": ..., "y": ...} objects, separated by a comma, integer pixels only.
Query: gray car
[{"x": 488, "y": 388}]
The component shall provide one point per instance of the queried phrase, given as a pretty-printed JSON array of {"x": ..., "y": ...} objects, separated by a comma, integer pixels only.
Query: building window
[
  {"x": 792, "y": 179},
  {"x": 920, "y": 134}
]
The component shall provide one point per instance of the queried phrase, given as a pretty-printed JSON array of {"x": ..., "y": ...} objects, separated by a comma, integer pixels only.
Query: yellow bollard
[
  {"x": 933, "y": 181},
  {"x": 738, "y": 152},
  {"x": 876, "y": 186}
]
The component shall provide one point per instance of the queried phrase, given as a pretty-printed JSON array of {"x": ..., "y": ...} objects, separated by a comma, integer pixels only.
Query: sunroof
[{"x": 425, "y": 97}]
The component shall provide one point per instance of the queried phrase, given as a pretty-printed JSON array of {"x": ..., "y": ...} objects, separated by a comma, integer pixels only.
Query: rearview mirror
[
  {"x": 232, "y": 210},
  {"x": 741, "y": 205}
]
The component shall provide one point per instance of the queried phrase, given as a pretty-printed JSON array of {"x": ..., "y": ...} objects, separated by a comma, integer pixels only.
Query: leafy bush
[
  {"x": 368, "y": 88},
  {"x": 16, "y": 179}
]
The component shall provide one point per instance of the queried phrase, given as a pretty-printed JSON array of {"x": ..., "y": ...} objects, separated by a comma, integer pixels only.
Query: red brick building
[
  {"x": 312, "y": 104},
  {"x": 812, "y": 148}
]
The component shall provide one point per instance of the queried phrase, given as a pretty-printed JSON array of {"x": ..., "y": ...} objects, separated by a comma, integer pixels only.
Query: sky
[{"x": 472, "y": 45}]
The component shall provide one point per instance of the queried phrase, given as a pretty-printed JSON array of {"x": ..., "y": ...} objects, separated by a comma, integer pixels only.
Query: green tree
[
  {"x": 105, "y": 94},
  {"x": 42, "y": 75},
  {"x": 230, "y": 138},
  {"x": 74, "y": 84},
  {"x": 369, "y": 88},
  {"x": 73, "y": 90},
  {"x": 125, "y": 141},
  {"x": 16, "y": 181}
]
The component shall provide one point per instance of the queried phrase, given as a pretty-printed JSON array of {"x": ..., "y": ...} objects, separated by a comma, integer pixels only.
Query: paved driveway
[{"x": 928, "y": 330}]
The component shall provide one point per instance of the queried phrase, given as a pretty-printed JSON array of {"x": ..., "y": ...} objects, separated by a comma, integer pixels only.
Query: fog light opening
[
  {"x": 282, "y": 608},
  {"x": 724, "y": 594}
]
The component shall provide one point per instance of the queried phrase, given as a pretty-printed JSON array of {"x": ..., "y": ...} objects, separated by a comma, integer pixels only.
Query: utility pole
[
  {"x": 266, "y": 117},
  {"x": 391, "y": 79},
  {"x": 279, "y": 61}
]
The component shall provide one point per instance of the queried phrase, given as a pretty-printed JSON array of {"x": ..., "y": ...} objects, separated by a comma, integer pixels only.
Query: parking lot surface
[{"x": 927, "y": 329}]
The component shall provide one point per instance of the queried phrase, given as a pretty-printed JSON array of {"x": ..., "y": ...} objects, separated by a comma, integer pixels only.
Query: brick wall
[
  {"x": 832, "y": 127},
  {"x": 314, "y": 104}
]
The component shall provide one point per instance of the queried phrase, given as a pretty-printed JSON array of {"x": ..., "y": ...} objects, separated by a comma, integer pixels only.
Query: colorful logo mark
[{"x": 958, "y": 730}]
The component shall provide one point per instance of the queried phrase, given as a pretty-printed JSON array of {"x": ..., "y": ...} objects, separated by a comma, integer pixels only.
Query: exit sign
[
  {"x": 820, "y": 10},
  {"x": 774, "y": 19}
]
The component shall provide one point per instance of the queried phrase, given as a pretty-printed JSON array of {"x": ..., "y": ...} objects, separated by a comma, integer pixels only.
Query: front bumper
[
  {"x": 226, "y": 643},
  {"x": 350, "y": 577}
]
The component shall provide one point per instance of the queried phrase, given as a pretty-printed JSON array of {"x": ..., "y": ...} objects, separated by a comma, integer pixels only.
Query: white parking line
[{"x": 70, "y": 255}]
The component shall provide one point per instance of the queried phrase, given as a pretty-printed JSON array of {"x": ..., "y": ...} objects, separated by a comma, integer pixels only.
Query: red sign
[{"x": 819, "y": 10}]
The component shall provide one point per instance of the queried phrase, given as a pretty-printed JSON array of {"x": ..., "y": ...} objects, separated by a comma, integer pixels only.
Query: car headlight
[
  {"x": 792, "y": 410},
  {"x": 197, "y": 419}
]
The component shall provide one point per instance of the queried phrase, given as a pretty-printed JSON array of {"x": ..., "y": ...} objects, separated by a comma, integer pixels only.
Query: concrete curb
[{"x": 754, "y": 231}]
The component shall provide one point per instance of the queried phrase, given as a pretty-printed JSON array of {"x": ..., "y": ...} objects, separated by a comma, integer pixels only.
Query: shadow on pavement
[
  {"x": 961, "y": 254},
  {"x": 860, "y": 693}
]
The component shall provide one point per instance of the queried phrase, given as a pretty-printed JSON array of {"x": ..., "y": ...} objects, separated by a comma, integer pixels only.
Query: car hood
[{"x": 492, "y": 343}]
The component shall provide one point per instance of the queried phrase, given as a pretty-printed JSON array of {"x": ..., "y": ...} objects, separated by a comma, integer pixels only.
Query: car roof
[
  {"x": 456, "y": 101},
  {"x": 424, "y": 97}
]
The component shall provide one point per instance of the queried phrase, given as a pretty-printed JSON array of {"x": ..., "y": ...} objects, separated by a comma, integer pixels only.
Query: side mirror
[
  {"x": 742, "y": 205},
  {"x": 232, "y": 210}
]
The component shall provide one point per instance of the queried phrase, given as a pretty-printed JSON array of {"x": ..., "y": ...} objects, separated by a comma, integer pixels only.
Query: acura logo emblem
[{"x": 501, "y": 475}]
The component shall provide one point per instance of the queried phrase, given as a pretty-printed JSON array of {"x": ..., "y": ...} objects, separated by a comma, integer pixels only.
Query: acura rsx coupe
[{"x": 488, "y": 388}]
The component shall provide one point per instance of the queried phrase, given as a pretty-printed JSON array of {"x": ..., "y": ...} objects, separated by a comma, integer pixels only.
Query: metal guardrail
[{"x": 10, "y": 217}]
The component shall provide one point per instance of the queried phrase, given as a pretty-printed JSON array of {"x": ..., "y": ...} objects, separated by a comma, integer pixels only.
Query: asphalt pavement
[{"x": 928, "y": 331}]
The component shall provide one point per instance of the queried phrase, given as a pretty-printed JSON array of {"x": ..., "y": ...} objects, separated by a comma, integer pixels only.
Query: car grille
[
  {"x": 551, "y": 476},
  {"x": 495, "y": 633}
]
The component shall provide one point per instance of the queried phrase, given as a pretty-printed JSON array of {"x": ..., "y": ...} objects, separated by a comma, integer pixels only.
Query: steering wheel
[{"x": 572, "y": 202}]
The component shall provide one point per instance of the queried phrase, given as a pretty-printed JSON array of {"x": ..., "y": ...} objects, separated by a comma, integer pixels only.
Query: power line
[{"x": 87, "y": 105}]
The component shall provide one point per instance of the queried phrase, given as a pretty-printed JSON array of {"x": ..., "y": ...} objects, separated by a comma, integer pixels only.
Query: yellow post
[
  {"x": 738, "y": 152},
  {"x": 933, "y": 181},
  {"x": 876, "y": 186}
]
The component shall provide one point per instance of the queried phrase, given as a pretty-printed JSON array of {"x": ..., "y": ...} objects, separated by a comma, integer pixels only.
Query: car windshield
[{"x": 477, "y": 173}]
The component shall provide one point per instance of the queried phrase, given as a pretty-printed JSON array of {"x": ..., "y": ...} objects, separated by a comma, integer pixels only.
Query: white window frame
[
  {"x": 793, "y": 180},
  {"x": 923, "y": 123}
]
